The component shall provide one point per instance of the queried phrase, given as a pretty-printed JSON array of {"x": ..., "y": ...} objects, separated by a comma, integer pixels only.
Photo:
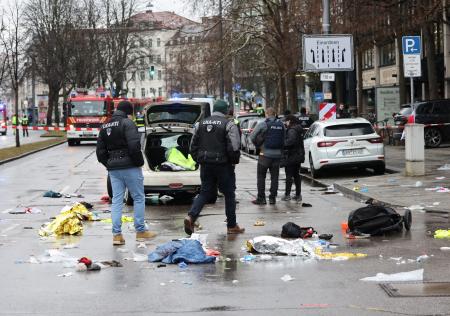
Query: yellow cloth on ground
[
  {"x": 343, "y": 255},
  {"x": 176, "y": 157},
  {"x": 125, "y": 219},
  {"x": 442, "y": 234},
  {"x": 69, "y": 221}
]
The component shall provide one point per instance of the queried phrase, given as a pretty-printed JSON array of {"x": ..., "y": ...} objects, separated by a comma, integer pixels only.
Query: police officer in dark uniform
[
  {"x": 304, "y": 119},
  {"x": 216, "y": 147},
  {"x": 119, "y": 150}
]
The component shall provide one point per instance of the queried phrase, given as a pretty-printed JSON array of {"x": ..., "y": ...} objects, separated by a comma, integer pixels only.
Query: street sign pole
[
  {"x": 326, "y": 86},
  {"x": 412, "y": 92}
]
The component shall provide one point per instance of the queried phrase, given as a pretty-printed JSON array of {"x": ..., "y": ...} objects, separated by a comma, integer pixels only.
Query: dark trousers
[
  {"x": 273, "y": 165},
  {"x": 293, "y": 176},
  {"x": 213, "y": 176},
  {"x": 25, "y": 130}
]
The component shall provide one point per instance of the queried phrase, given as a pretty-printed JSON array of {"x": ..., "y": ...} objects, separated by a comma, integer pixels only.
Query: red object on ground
[
  {"x": 86, "y": 261},
  {"x": 212, "y": 252},
  {"x": 105, "y": 198}
]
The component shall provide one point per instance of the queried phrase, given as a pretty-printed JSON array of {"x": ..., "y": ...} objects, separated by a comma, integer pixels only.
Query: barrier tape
[{"x": 52, "y": 128}]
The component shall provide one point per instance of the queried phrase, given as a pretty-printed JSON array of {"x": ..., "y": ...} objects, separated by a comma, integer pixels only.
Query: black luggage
[{"x": 377, "y": 220}]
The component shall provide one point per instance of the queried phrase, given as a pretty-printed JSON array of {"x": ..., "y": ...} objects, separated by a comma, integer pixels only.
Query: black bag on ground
[
  {"x": 377, "y": 220},
  {"x": 292, "y": 230}
]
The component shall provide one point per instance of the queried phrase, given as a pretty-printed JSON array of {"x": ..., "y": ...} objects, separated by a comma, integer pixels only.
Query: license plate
[
  {"x": 88, "y": 134},
  {"x": 352, "y": 152}
]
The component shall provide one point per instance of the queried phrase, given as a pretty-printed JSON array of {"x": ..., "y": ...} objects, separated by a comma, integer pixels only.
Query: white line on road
[{"x": 9, "y": 228}]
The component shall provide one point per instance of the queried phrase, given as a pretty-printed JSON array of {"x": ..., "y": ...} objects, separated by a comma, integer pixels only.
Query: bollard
[{"x": 414, "y": 150}]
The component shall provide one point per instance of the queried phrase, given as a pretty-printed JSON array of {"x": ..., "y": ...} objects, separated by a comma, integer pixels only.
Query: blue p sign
[{"x": 411, "y": 45}]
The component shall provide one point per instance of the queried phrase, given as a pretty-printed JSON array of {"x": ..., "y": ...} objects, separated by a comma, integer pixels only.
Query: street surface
[
  {"x": 9, "y": 140},
  {"x": 140, "y": 288}
]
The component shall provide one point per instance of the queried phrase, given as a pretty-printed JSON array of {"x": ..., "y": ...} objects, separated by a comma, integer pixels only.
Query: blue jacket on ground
[{"x": 184, "y": 250}]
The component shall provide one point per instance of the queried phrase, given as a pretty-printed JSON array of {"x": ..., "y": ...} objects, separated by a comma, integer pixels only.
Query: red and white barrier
[
  {"x": 52, "y": 128},
  {"x": 327, "y": 111}
]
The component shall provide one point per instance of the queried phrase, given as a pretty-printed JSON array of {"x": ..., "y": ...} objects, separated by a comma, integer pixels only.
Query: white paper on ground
[{"x": 416, "y": 275}]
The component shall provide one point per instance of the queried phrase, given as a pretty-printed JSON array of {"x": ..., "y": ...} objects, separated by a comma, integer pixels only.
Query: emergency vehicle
[{"x": 3, "y": 120}]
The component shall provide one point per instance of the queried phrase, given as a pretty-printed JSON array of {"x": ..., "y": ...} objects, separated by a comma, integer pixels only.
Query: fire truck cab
[{"x": 3, "y": 119}]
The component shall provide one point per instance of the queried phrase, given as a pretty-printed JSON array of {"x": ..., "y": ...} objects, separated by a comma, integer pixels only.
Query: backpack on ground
[
  {"x": 274, "y": 136},
  {"x": 377, "y": 220}
]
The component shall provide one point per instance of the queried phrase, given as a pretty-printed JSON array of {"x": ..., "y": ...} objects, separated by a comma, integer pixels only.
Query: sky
[{"x": 181, "y": 7}]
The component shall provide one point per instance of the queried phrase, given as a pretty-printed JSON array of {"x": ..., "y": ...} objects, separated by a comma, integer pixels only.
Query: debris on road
[
  {"x": 292, "y": 230},
  {"x": 69, "y": 221},
  {"x": 442, "y": 234},
  {"x": 259, "y": 223},
  {"x": 275, "y": 245},
  {"x": 444, "y": 167},
  {"x": 52, "y": 194},
  {"x": 212, "y": 252},
  {"x": 70, "y": 246},
  {"x": 183, "y": 250},
  {"x": 445, "y": 248},
  {"x": 65, "y": 275},
  {"x": 416, "y": 275},
  {"x": 137, "y": 257},
  {"x": 287, "y": 278},
  {"x": 125, "y": 219},
  {"x": 86, "y": 264},
  {"x": 25, "y": 210}
]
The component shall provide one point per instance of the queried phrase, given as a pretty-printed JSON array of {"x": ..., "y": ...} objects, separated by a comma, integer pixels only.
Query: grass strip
[
  {"x": 11, "y": 152},
  {"x": 54, "y": 134}
]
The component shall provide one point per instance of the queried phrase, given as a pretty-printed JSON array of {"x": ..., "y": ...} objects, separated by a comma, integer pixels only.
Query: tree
[{"x": 13, "y": 40}]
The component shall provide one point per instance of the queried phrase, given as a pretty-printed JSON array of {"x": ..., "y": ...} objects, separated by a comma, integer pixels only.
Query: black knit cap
[{"x": 126, "y": 107}]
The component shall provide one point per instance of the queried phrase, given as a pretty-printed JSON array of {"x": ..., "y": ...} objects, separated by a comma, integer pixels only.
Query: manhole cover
[{"x": 425, "y": 289}]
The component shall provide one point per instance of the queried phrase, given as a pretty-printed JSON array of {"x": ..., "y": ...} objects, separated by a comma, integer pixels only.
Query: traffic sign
[
  {"x": 318, "y": 96},
  {"x": 237, "y": 86},
  {"x": 411, "y": 45},
  {"x": 327, "y": 76},
  {"x": 332, "y": 52}
]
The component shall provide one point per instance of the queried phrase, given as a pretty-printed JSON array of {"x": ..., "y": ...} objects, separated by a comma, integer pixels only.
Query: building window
[
  {"x": 150, "y": 59},
  {"x": 158, "y": 42},
  {"x": 367, "y": 59},
  {"x": 387, "y": 54},
  {"x": 159, "y": 92},
  {"x": 141, "y": 42},
  {"x": 142, "y": 92},
  {"x": 133, "y": 93},
  {"x": 151, "y": 76},
  {"x": 133, "y": 76},
  {"x": 158, "y": 59},
  {"x": 150, "y": 42},
  {"x": 142, "y": 75},
  {"x": 159, "y": 74}
]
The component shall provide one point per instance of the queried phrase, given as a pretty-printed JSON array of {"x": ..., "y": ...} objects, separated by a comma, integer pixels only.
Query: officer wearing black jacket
[
  {"x": 216, "y": 147},
  {"x": 119, "y": 150}
]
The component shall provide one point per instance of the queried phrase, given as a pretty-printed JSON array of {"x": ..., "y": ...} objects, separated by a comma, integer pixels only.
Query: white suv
[{"x": 343, "y": 143}]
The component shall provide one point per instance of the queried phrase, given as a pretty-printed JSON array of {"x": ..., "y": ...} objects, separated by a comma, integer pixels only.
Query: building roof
[{"x": 164, "y": 19}]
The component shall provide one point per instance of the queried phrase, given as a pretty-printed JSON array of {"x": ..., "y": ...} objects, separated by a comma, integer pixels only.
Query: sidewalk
[{"x": 401, "y": 191}]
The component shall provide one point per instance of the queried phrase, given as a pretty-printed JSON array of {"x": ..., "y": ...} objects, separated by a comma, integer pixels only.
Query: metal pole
[
  {"x": 326, "y": 86},
  {"x": 222, "y": 84},
  {"x": 412, "y": 92}
]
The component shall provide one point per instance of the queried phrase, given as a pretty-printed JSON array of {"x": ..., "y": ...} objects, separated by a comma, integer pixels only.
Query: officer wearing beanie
[
  {"x": 119, "y": 150},
  {"x": 216, "y": 147}
]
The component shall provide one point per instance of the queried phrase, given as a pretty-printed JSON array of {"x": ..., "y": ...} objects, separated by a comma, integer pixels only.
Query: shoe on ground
[
  {"x": 188, "y": 225},
  {"x": 286, "y": 198},
  {"x": 118, "y": 240},
  {"x": 141, "y": 236},
  {"x": 259, "y": 202},
  {"x": 235, "y": 230},
  {"x": 272, "y": 201}
]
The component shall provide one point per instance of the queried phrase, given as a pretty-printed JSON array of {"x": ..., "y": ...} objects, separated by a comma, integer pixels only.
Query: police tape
[
  {"x": 401, "y": 127},
  {"x": 53, "y": 128}
]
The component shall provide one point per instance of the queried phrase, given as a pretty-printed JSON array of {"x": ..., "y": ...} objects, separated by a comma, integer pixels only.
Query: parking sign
[{"x": 411, "y": 45}]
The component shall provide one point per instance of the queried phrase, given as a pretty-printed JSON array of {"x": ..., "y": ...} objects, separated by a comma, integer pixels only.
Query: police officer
[
  {"x": 215, "y": 146},
  {"x": 14, "y": 122},
  {"x": 24, "y": 123},
  {"x": 305, "y": 120},
  {"x": 269, "y": 136},
  {"x": 119, "y": 150}
]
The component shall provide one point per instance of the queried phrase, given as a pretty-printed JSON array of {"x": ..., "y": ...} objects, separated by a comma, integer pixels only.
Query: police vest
[
  {"x": 14, "y": 120},
  {"x": 212, "y": 133},
  {"x": 304, "y": 120},
  {"x": 25, "y": 121},
  {"x": 274, "y": 138}
]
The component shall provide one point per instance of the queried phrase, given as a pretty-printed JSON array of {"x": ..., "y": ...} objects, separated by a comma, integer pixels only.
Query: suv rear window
[
  {"x": 354, "y": 129},
  {"x": 174, "y": 112},
  {"x": 424, "y": 108}
]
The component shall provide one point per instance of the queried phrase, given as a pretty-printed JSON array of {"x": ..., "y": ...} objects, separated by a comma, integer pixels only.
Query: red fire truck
[
  {"x": 85, "y": 115},
  {"x": 3, "y": 119}
]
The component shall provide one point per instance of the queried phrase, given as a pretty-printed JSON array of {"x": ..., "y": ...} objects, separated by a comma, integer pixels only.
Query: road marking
[{"x": 9, "y": 228}]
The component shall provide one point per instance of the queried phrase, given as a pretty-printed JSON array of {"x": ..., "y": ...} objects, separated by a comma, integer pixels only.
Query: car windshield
[
  {"x": 174, "y": 112},
  {"x": 88, "y": 108},
  {"x": 343, "y": 130},
  {"x": 405, "y": 111}
]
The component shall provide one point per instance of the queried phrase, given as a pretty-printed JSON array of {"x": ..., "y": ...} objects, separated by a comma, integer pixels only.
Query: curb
[{"x": 30, "y": 153}]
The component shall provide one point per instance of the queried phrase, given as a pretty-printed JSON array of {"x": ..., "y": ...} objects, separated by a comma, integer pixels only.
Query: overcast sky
[{"x": 181, "y": 7}]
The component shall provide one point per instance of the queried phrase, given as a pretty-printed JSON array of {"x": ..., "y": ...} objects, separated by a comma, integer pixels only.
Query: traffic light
[{"x": 152, "y": 71}]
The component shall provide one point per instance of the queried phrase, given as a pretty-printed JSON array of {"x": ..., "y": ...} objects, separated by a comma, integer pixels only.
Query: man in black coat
[{"x": 119, "y": 150}]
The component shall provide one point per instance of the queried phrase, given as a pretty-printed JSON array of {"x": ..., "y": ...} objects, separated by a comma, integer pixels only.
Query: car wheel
[
  {"x": 108, "y": 187},
  {"x": 128, "y": 199},
  {"x": 433, "y": 137},
  {"x": 71, "y": 142},
  {"x": 313, "y": 171},
  {"x": 380, "y": 169}
]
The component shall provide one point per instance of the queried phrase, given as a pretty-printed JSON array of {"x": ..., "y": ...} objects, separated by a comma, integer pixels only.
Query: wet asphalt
[{"x": 141, "y": 288}]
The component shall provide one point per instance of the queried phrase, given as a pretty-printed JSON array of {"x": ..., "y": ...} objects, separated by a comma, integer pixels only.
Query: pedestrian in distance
[
  {"x": 119, "y": 150},
  {"x": 14, "y": 122},
  {"x": 24, "y": 123},
  {"x": 269, "y": 137},
  {"x": 216, "y": 147},
  {"x": 293, "y": 156},
  {"x": 304, "y": 119},
  {"x": 342, "y": 112}
]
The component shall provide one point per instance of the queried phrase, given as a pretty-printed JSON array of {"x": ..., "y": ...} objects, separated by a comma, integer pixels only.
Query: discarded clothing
[
  {"x": 68, "y": 222},
  {"x": 274, "y": 245},
  {"x": 184, "y": 250},
  {"x": 125, "y": 219},
  {"x": 176, "y": 157},
  {"x": 442, "y": 234},
  {"x": 292, "y": 230},
  {"x": 416, "y": 275},
  {"x": 52, "y": 194}
]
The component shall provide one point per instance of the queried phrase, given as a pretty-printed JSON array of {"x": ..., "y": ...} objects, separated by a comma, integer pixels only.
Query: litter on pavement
[
  {"x": 137, "y": 257},
  {"x": 69, "y": 221},
  {"x": 444, "y": 167},
  {"x": 259, "y": 223},
  {"x": 125, "y": 219},
  {"x": 86, "y": 264},
  {"x": 292, "y": 230},
  {"x": 416, "y": 275},
  {"x": 442, "y": 234},
  {"x": 25, "y": 210},
  {"x": 184, "y": 250},
  {"x": 64, "y": 275},
  {"x": 52, "y": 194},
  {"x": 287, "y": 278},
  {"x": 275, "y": 245}
]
